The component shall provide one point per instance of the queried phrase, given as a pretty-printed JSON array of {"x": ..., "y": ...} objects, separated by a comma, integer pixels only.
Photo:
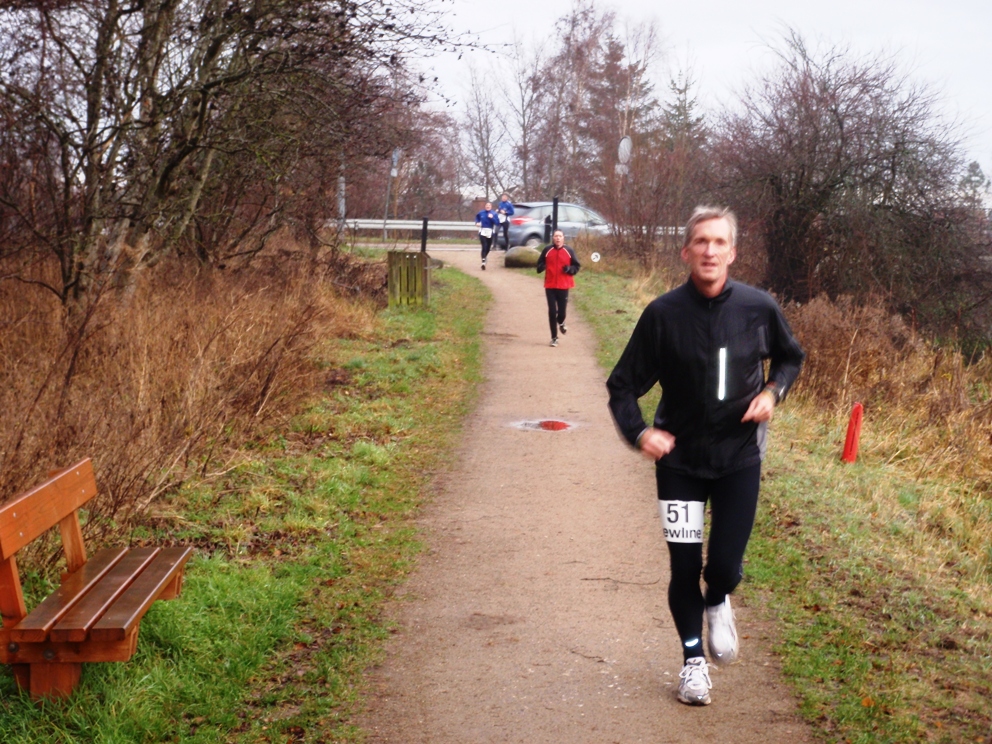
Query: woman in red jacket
[{"x": 559, "y": 263}]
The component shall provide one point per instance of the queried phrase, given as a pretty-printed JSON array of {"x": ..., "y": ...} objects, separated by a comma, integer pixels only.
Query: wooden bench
[{"x": 95, "y": 613}]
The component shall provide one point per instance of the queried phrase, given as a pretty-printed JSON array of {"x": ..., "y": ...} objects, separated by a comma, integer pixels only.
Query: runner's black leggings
[
  {"x": 506, "y": 234},
  {"x": 557, "y": 300},
  {"x": 733, "y": 501},
  {"x": 487, "y": 243}
]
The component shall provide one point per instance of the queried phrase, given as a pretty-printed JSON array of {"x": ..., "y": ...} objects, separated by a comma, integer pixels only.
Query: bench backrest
[
  {"x": 31, "y": 514},
  {"x": 38, "y": 510}
]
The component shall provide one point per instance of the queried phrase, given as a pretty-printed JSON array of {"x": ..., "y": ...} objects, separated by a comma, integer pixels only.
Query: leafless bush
[
  {"x": 852, "y": 350},
  {"x": 849, "y": 176},
  {"x": 156, "y": 385}
]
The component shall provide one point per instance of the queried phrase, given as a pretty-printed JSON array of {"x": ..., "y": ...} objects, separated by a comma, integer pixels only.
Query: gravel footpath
[{"x": 539, "y": 612}]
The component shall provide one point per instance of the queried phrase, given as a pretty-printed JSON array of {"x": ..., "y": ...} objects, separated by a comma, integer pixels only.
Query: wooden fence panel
[{"x": 409, "y": 278}]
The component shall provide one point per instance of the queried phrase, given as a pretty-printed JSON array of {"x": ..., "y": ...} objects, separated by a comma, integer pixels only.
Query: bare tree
[
  {"x": 562, "y": 161},
  {"x": 485, "y": 134},
  {"x": 523, "y": 101},
  {"x": 121, "y": 115},
  {"x": 570, "y": 105},
  {"x": 846, "y": 174}
]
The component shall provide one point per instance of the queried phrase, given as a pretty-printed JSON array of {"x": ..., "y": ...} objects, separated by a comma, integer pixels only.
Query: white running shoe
[
  {"x": 564, "y": 330},
  {"x": 554, "y": 342},
  {"x": 723, "y": 633},
  {"x": 694, "y": 684}
]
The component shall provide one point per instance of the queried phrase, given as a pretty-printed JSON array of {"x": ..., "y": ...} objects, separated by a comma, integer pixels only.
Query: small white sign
[
  {"x": 394, "y": 173},
  {"x": 624, "y": 150},
  {"x": 595, "y": 257},
  {"x": 682, "y": 521}
]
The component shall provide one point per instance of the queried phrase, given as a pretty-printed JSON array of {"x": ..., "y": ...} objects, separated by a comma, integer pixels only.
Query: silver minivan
[{"x": 527, "y": 222}]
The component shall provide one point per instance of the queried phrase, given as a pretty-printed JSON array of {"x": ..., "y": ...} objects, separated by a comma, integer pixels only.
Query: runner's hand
[
  {"x": 761, "y": 409},
  {"x": 656, "y": 443}
]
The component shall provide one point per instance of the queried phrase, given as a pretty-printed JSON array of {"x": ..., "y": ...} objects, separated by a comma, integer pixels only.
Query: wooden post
[
  {"x": 13, "y": 611},
  {"x": 54, "y": 680}
]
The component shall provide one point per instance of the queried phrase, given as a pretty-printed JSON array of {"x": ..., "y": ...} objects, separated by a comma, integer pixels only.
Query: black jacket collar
[{"x": 722, "y": 297}]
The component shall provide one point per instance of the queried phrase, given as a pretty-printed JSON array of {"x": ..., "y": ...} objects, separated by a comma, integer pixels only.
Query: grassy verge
[
  {"x": 883, "y": 604},
  {"x": 297, "y": 548}
]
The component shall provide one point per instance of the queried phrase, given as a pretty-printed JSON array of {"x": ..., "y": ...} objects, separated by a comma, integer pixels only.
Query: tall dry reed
[
  {"x": 158, "y": 383},
  {"x": 930, "y": 406}
]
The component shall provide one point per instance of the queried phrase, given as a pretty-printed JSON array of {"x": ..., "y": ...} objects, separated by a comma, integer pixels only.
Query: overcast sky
[{"x": 948, "y": 45}]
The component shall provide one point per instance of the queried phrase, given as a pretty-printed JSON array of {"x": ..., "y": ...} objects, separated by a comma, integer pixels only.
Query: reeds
[
  {"x": 926, "y": 403},
  {"x": 159, "y": 383}
]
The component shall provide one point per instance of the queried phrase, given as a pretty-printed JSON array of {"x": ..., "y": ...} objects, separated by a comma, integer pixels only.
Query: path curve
[{"x": 539, "y": 612}]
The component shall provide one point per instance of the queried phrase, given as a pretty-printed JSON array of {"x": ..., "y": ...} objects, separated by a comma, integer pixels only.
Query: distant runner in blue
[
  {"x": 488, "y": 223},
  {"x": 504, "y": 211},
  {"x": 706, "y": 342}
]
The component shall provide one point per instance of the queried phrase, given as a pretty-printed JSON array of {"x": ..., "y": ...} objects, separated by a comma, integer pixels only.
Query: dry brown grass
[
  {"x": 928, "y": 425},
  {"x": 930, "y": 406},
  {"x": 159, "y": 385}
]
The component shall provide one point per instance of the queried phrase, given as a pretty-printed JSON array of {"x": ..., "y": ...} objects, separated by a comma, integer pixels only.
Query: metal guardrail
[
  {"x": 434, "y": 225},
  {"x": 441, "y": 226}
]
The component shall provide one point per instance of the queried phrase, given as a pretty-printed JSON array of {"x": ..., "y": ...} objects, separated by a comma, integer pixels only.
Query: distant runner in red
[{"x": 559, "y": 263}]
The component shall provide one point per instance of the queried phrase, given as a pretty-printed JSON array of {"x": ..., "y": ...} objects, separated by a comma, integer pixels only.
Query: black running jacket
[{"x": 708, "y": 356}]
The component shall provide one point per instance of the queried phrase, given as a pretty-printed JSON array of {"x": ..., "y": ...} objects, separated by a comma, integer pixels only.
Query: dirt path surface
[{"x": 539, "y": 613}]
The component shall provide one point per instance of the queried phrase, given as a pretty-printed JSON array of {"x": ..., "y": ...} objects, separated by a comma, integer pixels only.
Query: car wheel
[{"x": 533, "y": 241}]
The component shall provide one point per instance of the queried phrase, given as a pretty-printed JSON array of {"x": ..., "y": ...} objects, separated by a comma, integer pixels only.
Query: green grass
[
  {"x": 880, "y": 593},
  {"x": 881, "y": 597},
  {"x": 297, "y": 549}
]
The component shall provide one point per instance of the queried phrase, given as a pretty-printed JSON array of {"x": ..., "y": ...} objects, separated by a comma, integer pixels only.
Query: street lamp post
[{"x": 393, "y": 172}]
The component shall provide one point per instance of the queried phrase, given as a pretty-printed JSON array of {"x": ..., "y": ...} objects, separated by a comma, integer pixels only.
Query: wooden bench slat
[
  {"x": 76, "y": 624},
  {"x": 131, "y": 606},
  {"x": 38, "y": 510},
  {"x": 36, "y": 626}
]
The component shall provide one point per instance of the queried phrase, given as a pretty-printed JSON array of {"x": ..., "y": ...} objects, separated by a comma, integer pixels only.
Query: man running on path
[
  {"x": 705, "y": 342},
  {"x": 559, "y": 263}
]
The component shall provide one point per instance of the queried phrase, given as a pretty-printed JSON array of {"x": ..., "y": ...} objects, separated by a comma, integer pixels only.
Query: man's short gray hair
[{"x": 703, "y": 213}]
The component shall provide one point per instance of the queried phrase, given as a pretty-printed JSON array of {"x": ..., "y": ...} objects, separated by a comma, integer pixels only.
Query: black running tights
[
  {"x": 487, "y": 244},
  {"x": 557, "y": 300},
  {"x": 733, "y": 500}
]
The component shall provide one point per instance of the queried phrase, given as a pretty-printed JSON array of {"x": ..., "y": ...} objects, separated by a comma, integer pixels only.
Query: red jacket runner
[{"x": 554, "y": 262}]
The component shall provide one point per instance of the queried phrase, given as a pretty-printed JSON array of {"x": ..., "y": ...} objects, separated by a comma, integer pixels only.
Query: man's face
[
  {"x": 489, "y": 206},
  {"x": 558, "y": 239},
  {"x": 709, "y": 253}
]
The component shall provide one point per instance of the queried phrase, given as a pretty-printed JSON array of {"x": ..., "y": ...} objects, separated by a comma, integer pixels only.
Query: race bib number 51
[{"x": 682, "y": 521}]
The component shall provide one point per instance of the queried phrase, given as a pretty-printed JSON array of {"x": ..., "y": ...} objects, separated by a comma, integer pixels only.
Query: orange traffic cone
[{"x": 853, "y": 434}]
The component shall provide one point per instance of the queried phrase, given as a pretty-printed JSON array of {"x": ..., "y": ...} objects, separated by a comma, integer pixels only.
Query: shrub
[{"x": 155, "y": 384}]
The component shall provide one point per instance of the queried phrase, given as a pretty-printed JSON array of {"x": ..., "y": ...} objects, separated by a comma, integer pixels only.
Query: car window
[
  {"x": 593, "y": 219},
  {"x": 537, "y": 213},
  {"x": 570, "y": 213}
]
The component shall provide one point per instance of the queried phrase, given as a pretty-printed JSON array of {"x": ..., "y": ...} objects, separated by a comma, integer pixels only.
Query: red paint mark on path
[{"x": 543, "y": 425}]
